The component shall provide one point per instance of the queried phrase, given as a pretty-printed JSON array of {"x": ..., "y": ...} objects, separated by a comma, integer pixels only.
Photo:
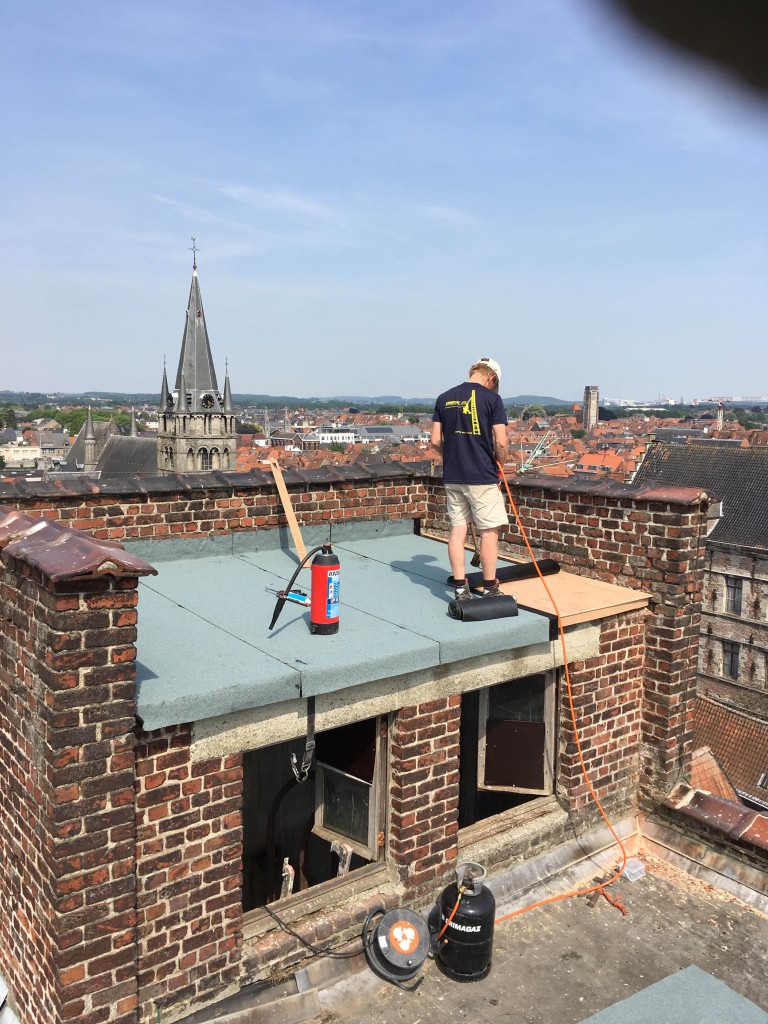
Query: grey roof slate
[
  {"x": 124, "y": 456},
  {"x": 117, "y": 454},
  {"x": 76, "y": 455},
  {"x": 737, "y": 476},
  {"x": 195, "y": 362}
]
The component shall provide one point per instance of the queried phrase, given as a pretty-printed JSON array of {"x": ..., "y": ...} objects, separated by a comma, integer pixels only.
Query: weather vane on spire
[{"x": 194, "y": 250}]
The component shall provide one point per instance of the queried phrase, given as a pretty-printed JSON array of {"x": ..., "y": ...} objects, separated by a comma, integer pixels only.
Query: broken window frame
[
  {"x": 549, "y": 716},
  {"x": 370, "y": 848}
]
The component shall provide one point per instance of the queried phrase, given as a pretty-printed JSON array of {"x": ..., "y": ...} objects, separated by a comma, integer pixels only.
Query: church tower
[{"x": 196, "y": 423}]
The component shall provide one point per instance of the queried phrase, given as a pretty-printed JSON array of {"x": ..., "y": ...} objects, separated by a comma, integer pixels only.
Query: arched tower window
[
  {"x": 215, "y": 459},
  {"x": 204, "y": 459},
  {"x": 225, "y": 459},
  {"x": 190, "y": 460}
]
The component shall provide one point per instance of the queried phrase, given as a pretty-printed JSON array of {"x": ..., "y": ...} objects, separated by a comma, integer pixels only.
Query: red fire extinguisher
[
  {"x": 324, "y": 600},
  {"x": 324, "y": 610}
]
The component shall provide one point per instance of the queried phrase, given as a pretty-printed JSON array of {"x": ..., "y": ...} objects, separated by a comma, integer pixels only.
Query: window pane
[
  {"x": 733, "y": 588},
  {"x": 730, "y": 659},
  {"x": 520, "y": 700},
  {"x": 346, "y": 803},
  {"x": 350, "y": 748}
]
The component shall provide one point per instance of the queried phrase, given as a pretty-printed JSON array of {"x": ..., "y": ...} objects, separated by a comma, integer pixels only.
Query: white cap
[{"x": 492, "y": 365}]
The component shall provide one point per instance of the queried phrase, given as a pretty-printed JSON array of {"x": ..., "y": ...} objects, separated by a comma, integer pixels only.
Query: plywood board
[{"x": 578, "y": 598}]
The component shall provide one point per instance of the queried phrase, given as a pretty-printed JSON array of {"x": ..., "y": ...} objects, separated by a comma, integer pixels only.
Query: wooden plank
[
  {"x": 579, "y": 598},
  {"x": 290, "y": 515}
]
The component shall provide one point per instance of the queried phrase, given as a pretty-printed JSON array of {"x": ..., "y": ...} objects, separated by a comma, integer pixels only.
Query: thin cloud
[
  {"x": 196, "y": 213},
  {"x": 448, "y": 215},
  {"x": 280, "y": 201}
]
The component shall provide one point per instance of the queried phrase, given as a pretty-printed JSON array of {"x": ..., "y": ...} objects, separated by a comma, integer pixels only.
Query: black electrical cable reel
[{"x": 397, "y": 946}]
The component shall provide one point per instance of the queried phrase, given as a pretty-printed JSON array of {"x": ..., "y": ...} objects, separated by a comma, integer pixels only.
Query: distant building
[
  {"x": 590, "y": 410},
  {"x": 733, "y": 646},
  {"x": 196, "y": 430}
]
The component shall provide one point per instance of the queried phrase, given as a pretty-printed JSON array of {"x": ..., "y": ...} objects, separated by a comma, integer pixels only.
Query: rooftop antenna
[{"x": 194, "y": 250}]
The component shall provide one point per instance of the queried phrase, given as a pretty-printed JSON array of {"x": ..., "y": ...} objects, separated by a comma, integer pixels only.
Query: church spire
[
  {"x": 228, "y": 410},
  {"x": 90, "y": 434},
  {"x": 165, "y": 395},
  {"x": 89, "y": 444},
  {"x": 195, "y": 360},
  {"x": 196, "y": 431},
  {"x": 182, "y": 405}
]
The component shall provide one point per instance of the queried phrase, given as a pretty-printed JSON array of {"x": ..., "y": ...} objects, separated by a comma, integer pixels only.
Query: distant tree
[
  {"x": 389, "y": 410},
  {"x": 533, "y": 410},
  {"x": 745, "y": 419},
  {"x": 39, "y": 413},
  {"x": 2, "y": 462},
  {"x": 605, "y": 414},
  {"x": 8, "y": 417},
  {"x": 75, "y": 418},
  {"x": 337, "y": 446},
  {"x": 577, "y": 433},
  {"x": 242, "y": 427},
  {"x": 413, "y": 419}
]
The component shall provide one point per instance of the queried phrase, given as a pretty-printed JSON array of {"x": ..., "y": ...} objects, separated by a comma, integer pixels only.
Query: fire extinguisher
[
  {"x": 324, "y": 609},
  {"x": 324, "y": 600}
]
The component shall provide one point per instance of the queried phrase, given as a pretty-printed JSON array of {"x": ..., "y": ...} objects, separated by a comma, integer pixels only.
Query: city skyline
[{"x": 378, "y": 197}]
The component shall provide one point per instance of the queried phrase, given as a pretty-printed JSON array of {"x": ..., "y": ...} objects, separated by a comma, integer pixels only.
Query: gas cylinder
[
  {"x": 465, "y": 942},
  {"x": 324, "y": 607}
]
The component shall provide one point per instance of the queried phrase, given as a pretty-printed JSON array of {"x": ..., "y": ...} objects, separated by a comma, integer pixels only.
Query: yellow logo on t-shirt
[{"x": 468, "y": 408}]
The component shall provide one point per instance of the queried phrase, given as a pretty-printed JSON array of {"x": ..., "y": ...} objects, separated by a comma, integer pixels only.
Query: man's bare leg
[
  {"x": 489, "y": 552},
  {"x": 456, "y": 554}
]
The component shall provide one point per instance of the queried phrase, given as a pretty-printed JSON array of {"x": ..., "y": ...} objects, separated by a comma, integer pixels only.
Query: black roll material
[
  {"x": 509, "y": 572},
  {"x": 480, "y": 609}
]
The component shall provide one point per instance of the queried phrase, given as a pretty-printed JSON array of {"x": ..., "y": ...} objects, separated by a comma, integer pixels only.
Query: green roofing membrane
[{"x": 205, "y": 649}]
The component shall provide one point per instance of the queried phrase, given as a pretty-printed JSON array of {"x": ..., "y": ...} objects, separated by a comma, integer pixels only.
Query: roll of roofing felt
[
  {"x": 519, "y": 571},
  {"x": 481, "y": 609}
]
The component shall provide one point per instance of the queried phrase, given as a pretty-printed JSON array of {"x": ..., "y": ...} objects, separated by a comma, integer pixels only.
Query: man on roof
[{"x": 469, "y": 428}]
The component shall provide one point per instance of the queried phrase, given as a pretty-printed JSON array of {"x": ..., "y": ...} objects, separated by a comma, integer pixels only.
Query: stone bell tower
[{"x": 196, "y": 431}]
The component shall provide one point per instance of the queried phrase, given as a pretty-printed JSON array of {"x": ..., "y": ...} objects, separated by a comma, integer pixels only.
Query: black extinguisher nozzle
[{"x": 276, "y": 613}]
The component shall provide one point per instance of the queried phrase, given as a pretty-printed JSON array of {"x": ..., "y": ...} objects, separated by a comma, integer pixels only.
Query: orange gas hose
[{"x": 601, "y": 887}]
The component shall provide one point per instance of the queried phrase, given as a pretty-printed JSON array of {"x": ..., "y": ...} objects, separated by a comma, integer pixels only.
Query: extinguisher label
[{"x": 332, "y": 598}]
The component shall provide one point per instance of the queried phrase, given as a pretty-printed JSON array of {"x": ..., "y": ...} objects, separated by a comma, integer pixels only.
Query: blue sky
[{"x": 380, "y": 193}]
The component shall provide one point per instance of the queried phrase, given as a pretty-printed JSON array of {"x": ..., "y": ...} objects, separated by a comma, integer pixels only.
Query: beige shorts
[{"x": 481, "y": 503}]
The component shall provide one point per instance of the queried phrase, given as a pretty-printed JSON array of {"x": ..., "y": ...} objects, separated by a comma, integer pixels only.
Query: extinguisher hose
[{"x": 282, "y": 597}]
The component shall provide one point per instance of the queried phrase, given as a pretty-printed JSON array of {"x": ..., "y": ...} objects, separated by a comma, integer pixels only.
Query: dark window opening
[
  {"x": 507, "y": 746},
  {"x": 297, "y": 835}
]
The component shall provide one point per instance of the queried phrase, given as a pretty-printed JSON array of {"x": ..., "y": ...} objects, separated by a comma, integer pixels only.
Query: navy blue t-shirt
[{"x": 468, "y": 413}]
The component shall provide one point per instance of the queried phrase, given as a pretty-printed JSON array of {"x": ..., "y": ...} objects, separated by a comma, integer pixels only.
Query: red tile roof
[
  {"x": 738, "y": 740},
  {"x": 707, "y": 775}
]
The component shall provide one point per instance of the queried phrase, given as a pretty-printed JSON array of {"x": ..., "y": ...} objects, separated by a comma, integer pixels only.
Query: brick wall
[
  {"x": 188, "y": 851},
  {"x": 608, "y": 700},
  {"x": 424, "y": 793},
  {"x": 67, "y": 898},
  {"x": 218, "y": 503},
  {"x": 71, "y": 943},
  {"x": 642, "y": 538}
]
